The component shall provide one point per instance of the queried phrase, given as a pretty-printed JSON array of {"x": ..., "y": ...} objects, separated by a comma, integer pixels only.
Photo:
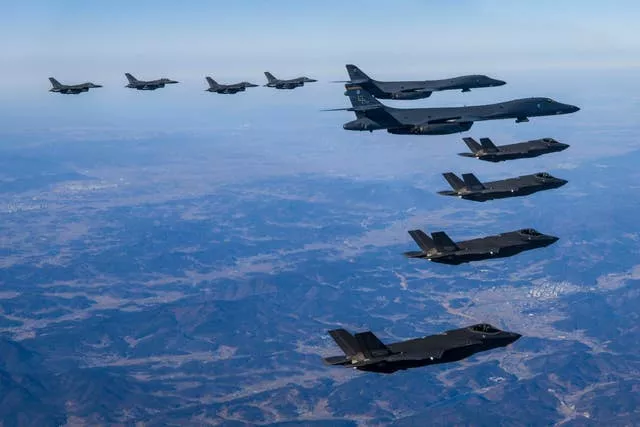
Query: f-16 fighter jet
[
  {"x": 470, "y": 188},
  {"x": 415, "y": 89},
  {"x": 227, "y": 89},
  {"x": 147, "y": 85},
  {"x": 372, "y": 115},
  {"x": 71, "y": 89},
  {"x": 441, "y": 249},
  {"x": 286, "y": 84},
  {"x": 365, "y": 352},
  {"x": 486, "y": 150}
]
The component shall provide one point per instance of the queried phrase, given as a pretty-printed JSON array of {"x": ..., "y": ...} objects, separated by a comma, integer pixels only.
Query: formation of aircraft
[
  {"x": 365, "y": 352},
  {"x": 470, "y": 187},
  {"x": 134, "y": 83}
]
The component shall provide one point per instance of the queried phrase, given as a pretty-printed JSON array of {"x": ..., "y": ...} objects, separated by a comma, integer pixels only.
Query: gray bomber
[
  {"x": 71, "y": 89},
  {"x": 286, "y": 84},
  {"x": 489, "y": 152},
  {"x": 365, "y": 352},
  {"x": 372, "y": 115},
  {"x": 441, "y": 249},
  {"x": 470, "y": 188},
  {"x": 227, "y": 89},
  {"x": 415, "y": 89},
  {"x": 147, "y": 85}
]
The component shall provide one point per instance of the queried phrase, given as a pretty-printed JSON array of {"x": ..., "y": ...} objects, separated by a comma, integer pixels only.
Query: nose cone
[
  {"x": 513, "y": 337},
  {"x": 561, "y": 182},
  {"x": 308, "y": 80},
  {"x": 562, "y": 146},
  {"x": 550, "y": 240},
  {"x": 251, "y": 85},
  {"x": 173, "y": 81},
  {"x": 567, "y": 109},
  {"x": 496, "y": 82},
  {"x": 97, "y": 85}
]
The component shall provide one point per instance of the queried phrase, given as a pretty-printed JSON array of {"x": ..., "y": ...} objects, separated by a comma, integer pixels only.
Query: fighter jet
[
  {"x": 147, "y": 85},
  {"x": 486, "y": 150},
  {"x": 365, "y": 352},
  {"x": 71, "y": 89},
  {"x": 372, "y": 115},
  {"x": 227, "y": 89},
  {"x": 441, "y": 249},
  {"x": 470, "y": 188},
  {"x": 286, "y": 84},
  {"x": 415, "y": 89}
]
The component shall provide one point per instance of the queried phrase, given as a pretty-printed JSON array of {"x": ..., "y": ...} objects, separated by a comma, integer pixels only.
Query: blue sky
[{"x": 100, "y": 40}]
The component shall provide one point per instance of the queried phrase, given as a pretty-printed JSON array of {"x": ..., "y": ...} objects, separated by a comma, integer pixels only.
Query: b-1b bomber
[
  {"x": 470, "y": 187},
  {"x": 441, "y": 249},
  {"x": 408, "y": 90},
  {"x": 489, "y": 152},
  {"x": 365, "y": 352}
]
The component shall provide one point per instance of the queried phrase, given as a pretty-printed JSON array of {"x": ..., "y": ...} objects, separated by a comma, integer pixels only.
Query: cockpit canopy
[
  {"x": 543, "y": 175},
  {"x": 549, "y": 140},
  {"x": 485, "y": 328},
  {"x": 530, "y": 232}
]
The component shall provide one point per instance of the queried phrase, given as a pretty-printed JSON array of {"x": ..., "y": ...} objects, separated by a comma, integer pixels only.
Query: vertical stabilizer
[
  {"x": 56, "y": 84},
  {"x": 456, "y": 183},
  {"x": 270, "y": 77},
  {"x": 371, "y": 346},
  {"x": 420, "y": 237},
  {"x": 212, "y": 83},
  {"x": 356, "y": 74},
  {"x": 471, "y": 182},
  {"x": 488, "y": 145},
  {"x": 131, "y": 79},
  {"x": 346, "y": 341},
  {"x": 472, "y": 144},
  {"x": 443, "y": 242}
]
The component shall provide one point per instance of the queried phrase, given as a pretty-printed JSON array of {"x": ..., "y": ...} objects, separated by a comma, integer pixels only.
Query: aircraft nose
[
  {"x": 572, "y": 109},
  {"x": 499, "y": 82},
  {"x": 515, "y": 336},
  {"x": 562, "y": 182}
]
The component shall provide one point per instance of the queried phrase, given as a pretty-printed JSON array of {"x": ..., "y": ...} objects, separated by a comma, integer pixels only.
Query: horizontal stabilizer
[
  {"x": 346, "y": 341},
  {"x": 336, "y": 360},
  {"x": 443, "y": 242},
  {"x": 425, "y": 242},
  {"x": 371, "y": 346},
  {"x": 471, "y": 182}
]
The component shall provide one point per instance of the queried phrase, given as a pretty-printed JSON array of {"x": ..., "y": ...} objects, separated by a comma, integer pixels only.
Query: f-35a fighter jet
[
  {"x": 441, "y": 249},
  {"x": 227, "y": 89},
  {"x": 415, "y": 89},
  {"x": 372, "y": 115},
  {"x": 286, "y": 84},
  {"x": 147, "y": 85},
  {"x": 488, "y": 151},
  {"x": 71, "y": 89},
  {"x": 365, "y": 352},
  {"x": 470, "y": 188}
]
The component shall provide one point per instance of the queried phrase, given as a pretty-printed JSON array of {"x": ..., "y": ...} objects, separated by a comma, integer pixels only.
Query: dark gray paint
[
  {"x": 470, "y": 188},
  {"x": 365, "y": 352},
  {"x": 71, "y": 89}
]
